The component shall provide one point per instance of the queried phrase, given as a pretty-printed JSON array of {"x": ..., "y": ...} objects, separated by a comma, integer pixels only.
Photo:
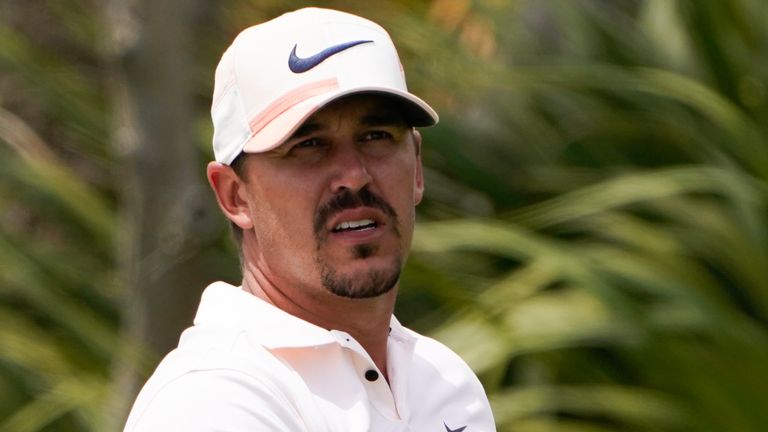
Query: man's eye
[
  {"x": 376, "y": 135},
  {"x": 308, "y": 143}
]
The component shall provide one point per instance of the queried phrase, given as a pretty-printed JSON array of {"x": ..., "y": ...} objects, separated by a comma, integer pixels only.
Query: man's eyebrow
[{"x": 385, "y": 118}]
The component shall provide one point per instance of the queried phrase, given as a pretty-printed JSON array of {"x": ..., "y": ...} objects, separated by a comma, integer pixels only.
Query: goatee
[{"x": 368, "y": 284}]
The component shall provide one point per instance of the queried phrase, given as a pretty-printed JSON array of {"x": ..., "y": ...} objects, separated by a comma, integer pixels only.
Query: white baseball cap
[{"x": 277, "y": 74}]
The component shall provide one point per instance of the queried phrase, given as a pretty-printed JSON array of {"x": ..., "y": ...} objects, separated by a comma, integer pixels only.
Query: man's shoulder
[
  {"x": 208, "y": 349},
  {"x": 216, "y": 398},
  {"x": 209, "y": 373}
]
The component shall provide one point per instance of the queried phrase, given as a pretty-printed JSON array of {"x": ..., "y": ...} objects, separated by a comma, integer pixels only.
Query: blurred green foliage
[{"x": 594, "y": 239}]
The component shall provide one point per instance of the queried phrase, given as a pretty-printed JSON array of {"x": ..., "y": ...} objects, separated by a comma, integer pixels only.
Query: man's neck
[{"x": 366, "y": 320}]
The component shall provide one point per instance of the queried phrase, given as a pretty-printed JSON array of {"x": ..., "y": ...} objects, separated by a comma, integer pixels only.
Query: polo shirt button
[{"x": 371, "y": 375}]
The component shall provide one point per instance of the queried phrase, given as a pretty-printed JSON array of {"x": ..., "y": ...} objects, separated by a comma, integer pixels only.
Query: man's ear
[
  {"x": 230, "y": 194},
  {"x": 418, "y": 178}
]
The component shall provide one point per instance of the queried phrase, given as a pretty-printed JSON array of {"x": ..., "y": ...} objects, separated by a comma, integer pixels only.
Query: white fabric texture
[{"x": 248, "y": 366}]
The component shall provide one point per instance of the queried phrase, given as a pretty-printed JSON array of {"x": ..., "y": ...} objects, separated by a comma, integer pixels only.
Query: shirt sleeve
[{"x": 219, "y": 400}]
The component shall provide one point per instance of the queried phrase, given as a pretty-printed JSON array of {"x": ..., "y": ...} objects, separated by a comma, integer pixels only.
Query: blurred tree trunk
[{"x": 162, "y": 204}]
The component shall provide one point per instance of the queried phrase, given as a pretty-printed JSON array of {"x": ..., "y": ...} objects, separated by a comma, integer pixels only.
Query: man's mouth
[
  {"x": 354, "y": 212},
  {"x": 355, "y": 225}
]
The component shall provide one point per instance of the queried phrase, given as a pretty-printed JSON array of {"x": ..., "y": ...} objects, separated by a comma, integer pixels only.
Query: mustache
[{"x": 349, "y": 200}]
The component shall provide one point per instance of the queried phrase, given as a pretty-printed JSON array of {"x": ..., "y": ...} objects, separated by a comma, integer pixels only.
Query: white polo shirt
[{"x": 247, "y": 366}]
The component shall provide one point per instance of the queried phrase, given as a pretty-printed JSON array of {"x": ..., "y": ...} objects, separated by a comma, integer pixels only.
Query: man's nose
[{"x": 351, "y": 172}]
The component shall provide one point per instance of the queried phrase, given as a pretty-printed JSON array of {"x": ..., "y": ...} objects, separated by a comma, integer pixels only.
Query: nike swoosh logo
[
  {"x": 299, "y": 65},
  {"x": 453, "y": 430}
]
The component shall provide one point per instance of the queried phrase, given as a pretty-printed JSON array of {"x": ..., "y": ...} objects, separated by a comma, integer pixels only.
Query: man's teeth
[{"x": 354, "y": 224}]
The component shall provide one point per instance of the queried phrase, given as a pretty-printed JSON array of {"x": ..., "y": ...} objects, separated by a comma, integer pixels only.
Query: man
[{"x": 318, "y": 170}]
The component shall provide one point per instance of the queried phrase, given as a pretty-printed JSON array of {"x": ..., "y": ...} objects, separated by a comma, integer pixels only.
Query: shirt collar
[
  {"x": 225, "y": 304},
  {"x": 266, "y": 324}
]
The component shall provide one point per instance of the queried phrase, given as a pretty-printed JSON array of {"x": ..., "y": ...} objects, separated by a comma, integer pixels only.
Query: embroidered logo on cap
[
  {"x": 453, "y": 430},
  {"x": 299, "y": 65}
]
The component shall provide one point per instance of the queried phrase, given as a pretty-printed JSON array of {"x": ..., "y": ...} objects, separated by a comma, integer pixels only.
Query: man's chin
[{"x": 371, "y": 281}]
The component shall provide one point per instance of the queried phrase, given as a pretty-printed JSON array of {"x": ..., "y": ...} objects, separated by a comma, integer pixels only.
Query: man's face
[{"x": 333, "y": 206}]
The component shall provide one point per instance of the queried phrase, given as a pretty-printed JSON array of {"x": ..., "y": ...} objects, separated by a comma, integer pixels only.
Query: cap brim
[{"x": 417, "y": 112}]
